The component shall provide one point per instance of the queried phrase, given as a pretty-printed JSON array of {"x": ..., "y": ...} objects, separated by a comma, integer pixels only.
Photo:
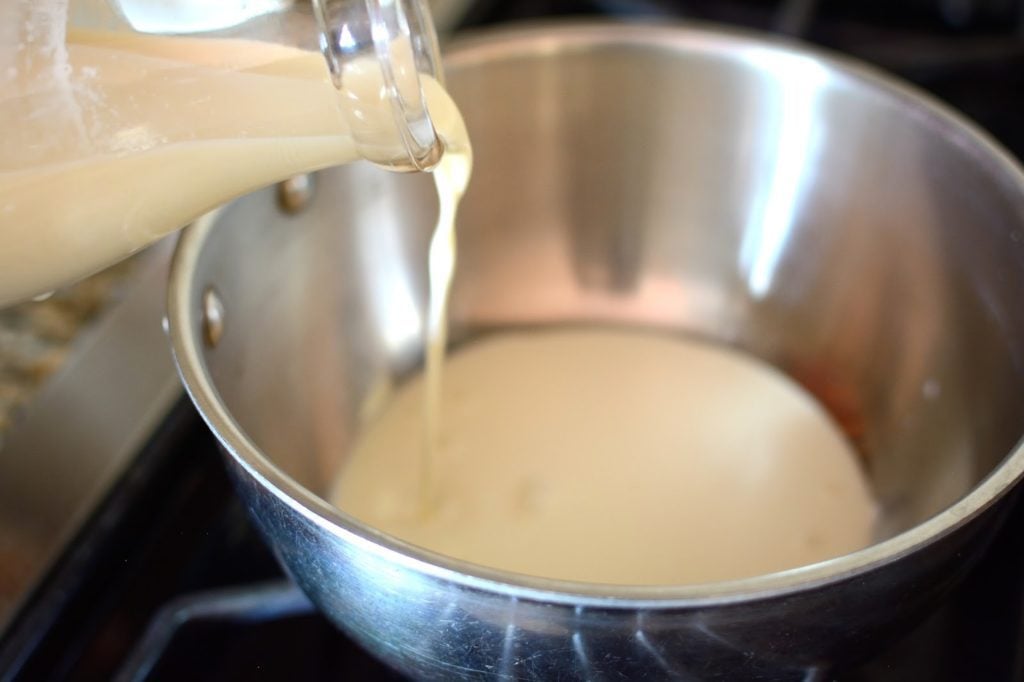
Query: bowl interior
[{"x": 802, "y": 210}]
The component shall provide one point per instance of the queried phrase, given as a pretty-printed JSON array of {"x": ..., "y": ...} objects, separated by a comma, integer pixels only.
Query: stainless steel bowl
[{"x": 814, "y": 212}]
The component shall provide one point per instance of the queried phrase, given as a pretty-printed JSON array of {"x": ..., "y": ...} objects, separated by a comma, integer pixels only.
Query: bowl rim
[{"x": 184, "y": 329}]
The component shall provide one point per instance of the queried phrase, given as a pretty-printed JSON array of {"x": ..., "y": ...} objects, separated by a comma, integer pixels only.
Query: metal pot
[{"x": 846, "y": 228}]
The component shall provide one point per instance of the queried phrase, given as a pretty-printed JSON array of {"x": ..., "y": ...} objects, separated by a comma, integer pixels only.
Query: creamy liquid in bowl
[{"x": 613, "y": 456}]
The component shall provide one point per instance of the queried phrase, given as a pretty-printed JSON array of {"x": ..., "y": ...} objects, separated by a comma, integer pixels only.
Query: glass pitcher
[{"x": 129, "y": 118}]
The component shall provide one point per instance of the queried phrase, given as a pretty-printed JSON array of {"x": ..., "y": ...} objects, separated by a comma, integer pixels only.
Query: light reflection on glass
[{"x": 193, "y": 16}]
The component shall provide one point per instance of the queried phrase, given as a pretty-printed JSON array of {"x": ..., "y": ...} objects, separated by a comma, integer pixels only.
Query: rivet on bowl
[
  {"x": 213, "y": 317},
  {"x": 293, "y": 194}
]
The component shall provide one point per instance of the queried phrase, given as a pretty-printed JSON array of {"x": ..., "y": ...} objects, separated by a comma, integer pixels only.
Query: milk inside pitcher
[{"x": 134, "y": 117}]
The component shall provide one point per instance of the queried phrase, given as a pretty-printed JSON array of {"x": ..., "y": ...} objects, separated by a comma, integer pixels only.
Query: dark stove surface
[{"x": 169, "y": 580}]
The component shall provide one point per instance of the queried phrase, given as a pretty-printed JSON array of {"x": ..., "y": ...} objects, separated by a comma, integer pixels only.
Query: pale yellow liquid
[
  {"x": 614, "y": 457},
  {"x": 451, "y": 177},
  {"x": 129, "y": 137}
]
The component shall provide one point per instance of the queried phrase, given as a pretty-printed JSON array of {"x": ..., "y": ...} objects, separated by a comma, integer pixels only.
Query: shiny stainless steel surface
[
  {"x": 81, "y": 431},
  {"x": 811, "y": 211}
]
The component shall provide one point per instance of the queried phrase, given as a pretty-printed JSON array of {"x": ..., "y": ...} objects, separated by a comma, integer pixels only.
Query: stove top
[{"x": 167, "y": 579}]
